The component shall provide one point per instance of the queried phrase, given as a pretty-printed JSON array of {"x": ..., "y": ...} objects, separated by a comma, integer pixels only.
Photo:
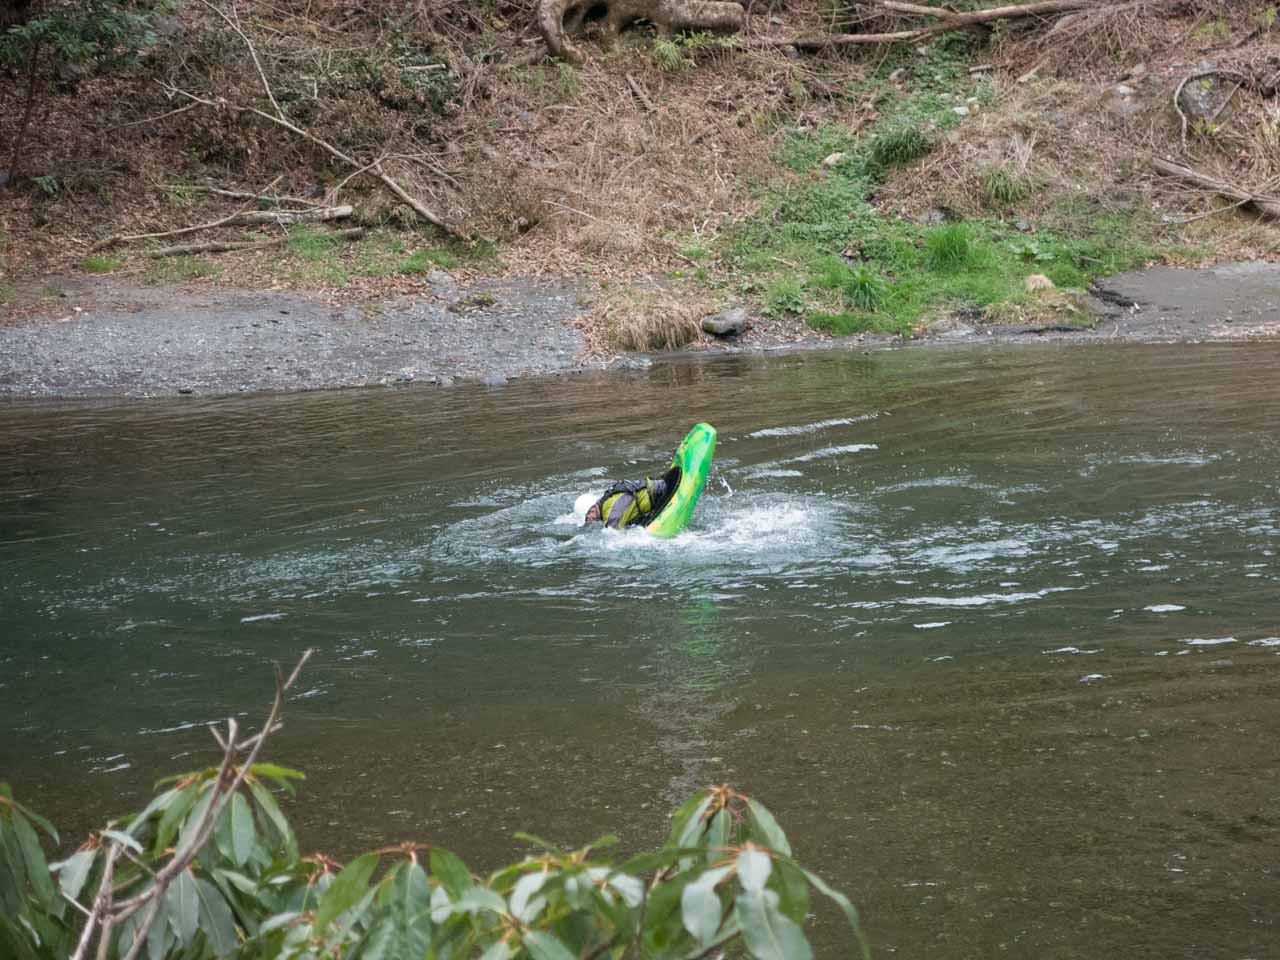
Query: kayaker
[{"x": 634, "y": 503}]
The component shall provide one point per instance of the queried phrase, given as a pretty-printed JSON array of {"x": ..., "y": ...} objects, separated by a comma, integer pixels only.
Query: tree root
[
  {"x": 558, "y": 20},
  {"x": 1264, "y": 206}
]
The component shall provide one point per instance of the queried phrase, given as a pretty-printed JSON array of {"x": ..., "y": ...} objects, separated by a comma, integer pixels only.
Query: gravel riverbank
[{"x": 111, "y": 339}]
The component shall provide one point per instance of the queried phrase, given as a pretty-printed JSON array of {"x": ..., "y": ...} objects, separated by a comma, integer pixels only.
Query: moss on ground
[{"x": 817, "y": 247}]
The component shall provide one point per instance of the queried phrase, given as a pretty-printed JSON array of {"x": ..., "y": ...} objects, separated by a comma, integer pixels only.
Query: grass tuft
[
  {"x": 652, "y": 319},
  {"x": 895, "y": 146},
  {"x": 1003, "y": 188},
  {"x": 424, "y": 261},
  {"x": 101, "y": 264},
  {"x": 948, "y": 248},
  {"x": 311, "y": 244}
]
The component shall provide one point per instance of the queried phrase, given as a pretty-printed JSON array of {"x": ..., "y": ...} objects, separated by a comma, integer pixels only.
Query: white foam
[
  {"x": 932, "y": 626},
  {"x": 1090, "y": 677},
  {"x": 826, "y": 452},
  {"x": 1072, "y": 650},
  {"x": 1164, "y": 607},
  {"x": 263, "y": 616},
  {"x": 1265, "y": 642},
  {"x": 796, "y": 431},
  {"x": 1208, "y": 643}
]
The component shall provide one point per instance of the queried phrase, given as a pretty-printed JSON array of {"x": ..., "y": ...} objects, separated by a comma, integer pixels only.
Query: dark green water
[{"x": 993, "y": 631}]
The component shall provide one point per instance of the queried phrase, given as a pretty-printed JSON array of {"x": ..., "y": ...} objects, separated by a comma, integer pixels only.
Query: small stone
[
  {"x": 897, "y": 74},
  {"x": 960, "y": 111},
  {"x": 922, "y": 51},
  {"x": 1137, "y": 72},
  {"x": 1123, "y": 90},
  {"x": 1023, "y": 225},
  {"x": 835, "y": 159},
  {"x": 185, "y": 390},
  {"x": 439, "y": 278},
  {"x": 730, "y": 323},
  {"x": 1036, "y": 282},
  {"x": 790, "y": 52},
  {"x": 495, "y": 380}
]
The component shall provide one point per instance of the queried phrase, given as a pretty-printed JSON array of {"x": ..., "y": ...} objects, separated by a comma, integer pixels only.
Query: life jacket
[{"x": 647, "y": 498}]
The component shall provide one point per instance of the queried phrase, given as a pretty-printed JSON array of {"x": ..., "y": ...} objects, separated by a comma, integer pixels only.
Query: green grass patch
[
  {"x": 173, "y": 269},
  {"x": 377, "y": 255},
  {"x": 311, "y": 244},
  {"x": 817, "y": 248},
  {"x": 424, "y": 261},
  {"x": 101, "y": 264}
]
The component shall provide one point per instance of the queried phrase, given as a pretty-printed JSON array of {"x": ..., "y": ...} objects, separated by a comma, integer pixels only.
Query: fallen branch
[
  {"x": 947, "y": 20},
  {"x": 225, "y": 246},
  {"x": 1268, "y": 207},
  {"x": 639, "y": 92},
  {"x": 240, "y": 218},
  {"x": 241, "y": 194},
  {"x": 374, "y": 169}
]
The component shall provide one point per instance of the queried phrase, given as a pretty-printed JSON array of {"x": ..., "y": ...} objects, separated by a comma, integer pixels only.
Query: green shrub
[
  {"x": 1004, "y": 188},
  {"x": 899, "y": 144},
  {"x": 668, "y": 57},
  {"x": 948, "y": 248},
  {"x": 211, "y": 869},
  {"x": 785, "y": 296}
]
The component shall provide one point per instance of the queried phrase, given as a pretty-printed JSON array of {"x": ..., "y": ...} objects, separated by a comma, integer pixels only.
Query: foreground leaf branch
[{"x": 211, "y": 868}]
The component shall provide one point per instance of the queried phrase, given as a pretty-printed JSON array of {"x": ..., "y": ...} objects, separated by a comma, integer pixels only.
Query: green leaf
[
  {"x": 37, "y": 866},
  {"x": 497, "y": 951},
  {"x": 763, "y": 823},
  {"x": 850, "y": 911},
  {"x": 159, "y": 935},
  {"x": 216, "y": 920},
  {"x": 754, "y": 867},
  {"x": 718, "y": 833},
  {"x": 242, "y": 829},
  {"x": 187, "y": 831},
  {"x": 184, "y": 907},
  {"x": 35, "y": 818},
  {"x": 700, "y": 906},
  {"x": 686, "y": 825},
  {"x": 543, "y": 946},
  {"x": 271, "y": 810},
  {"x": 481, "y": 898},
  {"x": 536, "y": 841},
  {"x": 123, "y": 839},
  {"x": 767, "y": 933},
  {"x": 73, "y": 872},
  {"x": 631, "y": 889},
  {"x": 176, "y": 809},
  {"x": 789, "y": 882},
  {"x": 346, "y": 890},
  {"x": 451, "y": 872},
  {"x": 523, "y": 905}
]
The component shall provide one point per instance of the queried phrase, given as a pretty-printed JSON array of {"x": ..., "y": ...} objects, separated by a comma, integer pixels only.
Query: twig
[
  {"x": 375, "y": 169},
  {"x": 1209, "y": 213},
  {"x": 238, "y": 758},
  {"x": 639, "y": 92},
  {"x": 235, "y": 25},
  {"x": 115, "y": 239},
  {"x": 220, "y": 246},
  {"x": 241, "y": 194},
  {"x": 171, "y": 113},
  {"x": 1268, "y": 207}
]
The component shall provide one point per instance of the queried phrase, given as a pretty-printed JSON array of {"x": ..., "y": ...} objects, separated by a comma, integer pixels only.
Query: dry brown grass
[{"x": 651, "y": 317}]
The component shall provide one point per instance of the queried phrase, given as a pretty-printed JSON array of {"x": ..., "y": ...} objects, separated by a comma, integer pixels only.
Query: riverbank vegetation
[
  {"x": 862, "y": 166},
  {"x": 211, "y": 868}
]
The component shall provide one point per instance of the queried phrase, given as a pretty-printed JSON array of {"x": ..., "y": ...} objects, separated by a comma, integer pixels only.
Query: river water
[{"x": 993, "y": 631}]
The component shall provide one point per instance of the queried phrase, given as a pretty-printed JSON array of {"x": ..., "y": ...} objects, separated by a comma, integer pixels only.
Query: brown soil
[{"x": 571, "y": 171}]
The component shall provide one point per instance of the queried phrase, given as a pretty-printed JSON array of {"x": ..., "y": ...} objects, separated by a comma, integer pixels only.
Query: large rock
[
  {"x": 730, "y": 323},
  {"x": 1206, "y": 98}
]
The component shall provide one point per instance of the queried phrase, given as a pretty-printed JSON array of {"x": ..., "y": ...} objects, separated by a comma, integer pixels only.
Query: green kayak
[{"x": 693, "y": 457}]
